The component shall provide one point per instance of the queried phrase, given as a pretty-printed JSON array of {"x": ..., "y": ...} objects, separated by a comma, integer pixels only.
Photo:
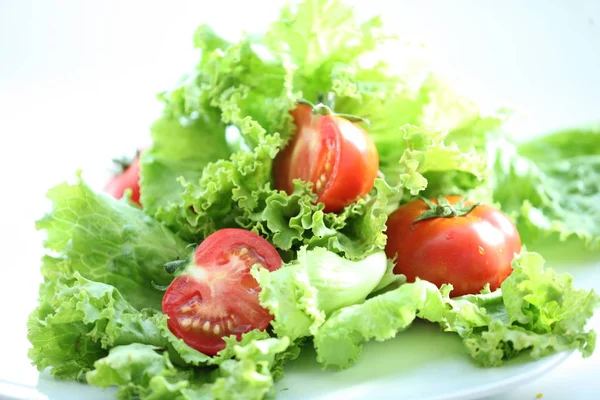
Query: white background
[{"x": 78, "y": 80}]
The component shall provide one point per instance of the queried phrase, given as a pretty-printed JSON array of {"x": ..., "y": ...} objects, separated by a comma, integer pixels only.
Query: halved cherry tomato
[
  {"x": 467, "y": 251},
  {"x": 216, "y": 296},
  {"x": 338, "y": 156},
  {"x": 128, "y": 179}
]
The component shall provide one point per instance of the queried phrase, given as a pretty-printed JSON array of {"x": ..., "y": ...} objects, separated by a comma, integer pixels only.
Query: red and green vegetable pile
[{"x": 298, "y": 193}]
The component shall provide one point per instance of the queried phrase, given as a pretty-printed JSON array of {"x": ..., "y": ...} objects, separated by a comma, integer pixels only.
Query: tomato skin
[
  {"x": 216, "y": 296},
  {"x": 466, "y": 251},
  {"x": 128, "y": 179},
  {"x": 338, "y": 156}
]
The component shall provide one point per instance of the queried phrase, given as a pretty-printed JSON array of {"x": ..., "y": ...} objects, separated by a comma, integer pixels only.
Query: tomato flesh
[
  {"x": 216, "y": 295},
  {"x": 467, "y": 251},
  {"x": 338, "y": 156}
]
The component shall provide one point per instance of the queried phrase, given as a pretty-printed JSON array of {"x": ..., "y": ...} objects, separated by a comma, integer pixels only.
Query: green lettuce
[
  {"x": 250, "y": 86},
  {"x": 107, "y": 240},
  {"x": 143, "y": 371},
  {"x": 339, "y": 340},
  {"x": 79, "y": 321},
  {"x": 169, "y": 160},
  {"x": 427, "y": 151},
  {"x": 536, "y": 311},
  {"x": 100, "y": 285},
  {"x": 551, "y": 185},
  {"x": 300, "y": 295}
]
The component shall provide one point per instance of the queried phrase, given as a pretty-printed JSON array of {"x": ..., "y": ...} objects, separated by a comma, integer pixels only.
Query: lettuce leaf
[
  {"x": 107, "y": 240},
  {"x": 427, "y": 151},
  {"x": 301, "y": 294},
  {"x": 169, "y": 160},
  {"x": 551, "y": 185},
  {"x": 537, "y": 311},
  {"x": 242, "y": 86},
  {"x": 79, "y": 320},
  {"x": 339, "y": 340},
  {"x": 146, "y": 372},
  {"x": 292, "y": 221}
]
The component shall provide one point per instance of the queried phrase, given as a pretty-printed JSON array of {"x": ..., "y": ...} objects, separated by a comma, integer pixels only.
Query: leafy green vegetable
[
  {"x": 339, "y": 340},
  {"x": 291, "y": 221},
  {"x": 551, "y": 185},
  {"x": 426, "y": 151},
  {"x": 301, "y": 294},
  {"x": 537, "y": 311},
  {"x": 198, "y": 142},
  {"x": 540, "y": 312},
  {"x": 78, "y": 319},
  {"x": 109, "y": 241},
  {"x": 145, "y": 372}
]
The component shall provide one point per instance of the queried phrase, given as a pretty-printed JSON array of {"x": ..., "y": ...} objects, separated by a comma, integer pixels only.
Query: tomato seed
[
  {"x": 217, "y": 329},
  {"x": 185, "y": 309},
  {"x": 196, "y": 324},
  {"x": 206, "y": 326},
  {"x": 185, "y": 322}
]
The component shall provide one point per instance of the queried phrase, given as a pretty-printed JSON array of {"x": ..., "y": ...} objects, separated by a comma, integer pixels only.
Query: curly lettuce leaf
[
  {"x": 550, "y": 187},
  {"x": 293, "y": 221},
  {"x": 320, "y": 59},
  {"x": 253, "y": 84},
  {"x": 537, "y": 311},
  {"x": 301, "y": 294},
  {"x": 427, "y": 151},
  {"x": 339, "y": 340},
  {"x": 237, "y": 193},
  {"x": 109, "y": 241},
  {"x": 395, "y": 105},
  {"x": 242, "y": 85},
  {"x": 146, "y": 372},
  {"x": 79, "y": 321},
  {"x": 227, "y": 192},
  {"x": 142, "y": 371},
  {"x": 169, "y": 160}
]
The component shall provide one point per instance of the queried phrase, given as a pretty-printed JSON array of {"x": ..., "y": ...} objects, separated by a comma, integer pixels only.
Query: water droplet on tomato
[
  {"x": 481, "y": 250},
  {"x": 449, "y": 235}
]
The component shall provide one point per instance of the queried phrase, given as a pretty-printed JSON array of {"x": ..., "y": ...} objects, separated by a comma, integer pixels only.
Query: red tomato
[
  {"x": 338, "y": 156},
  {"x": 216, "y": 296},
  {"x": 128, "y": 179},
  {"x": 467, "y": 251}
]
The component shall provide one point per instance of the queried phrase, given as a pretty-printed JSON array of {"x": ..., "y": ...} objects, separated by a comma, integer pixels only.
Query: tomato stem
[
  {"x": 327, "y": 109},
  {"x": 173, "y": 266},
  {"x": 443, "y": 209},
  {"x": 162, "y": 288},
  {"x": 306, "y": 103},
  {"x": 125, "y": 162}
]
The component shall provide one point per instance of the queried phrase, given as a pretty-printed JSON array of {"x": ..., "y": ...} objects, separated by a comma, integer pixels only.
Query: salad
[{"x": 301, "y": 192}]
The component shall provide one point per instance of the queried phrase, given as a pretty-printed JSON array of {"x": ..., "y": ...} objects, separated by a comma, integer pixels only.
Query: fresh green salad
[{"x": 300, "y": 192}]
